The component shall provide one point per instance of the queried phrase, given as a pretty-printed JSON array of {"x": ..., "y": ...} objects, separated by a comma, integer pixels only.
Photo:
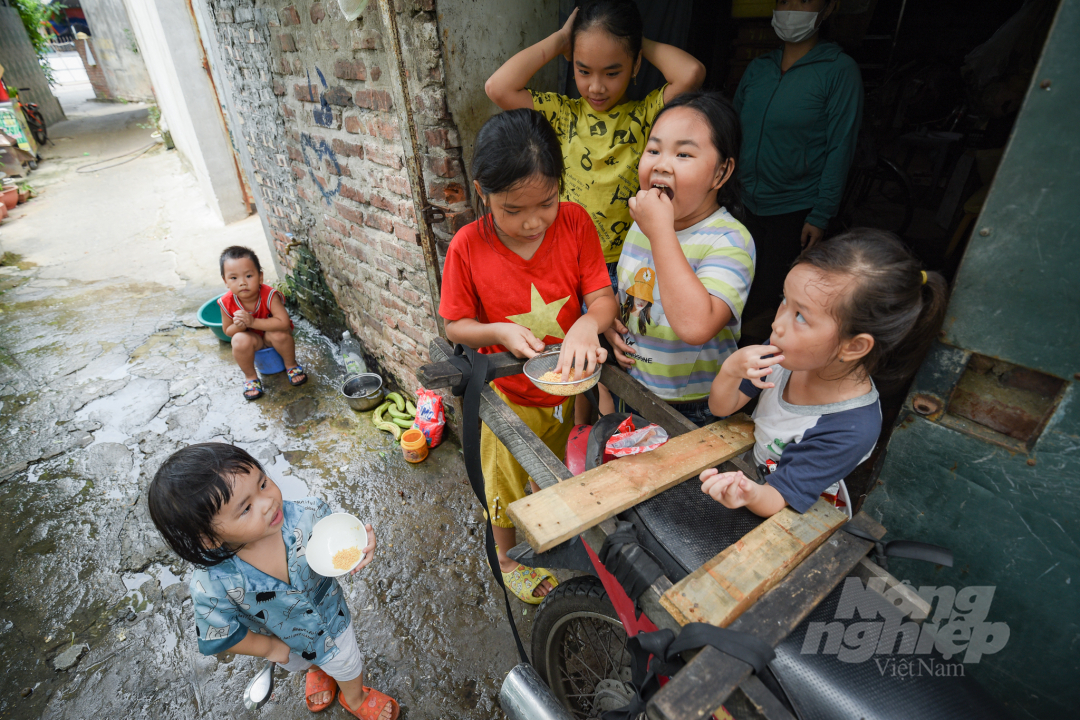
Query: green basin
[{"x": 210, "y": 316}]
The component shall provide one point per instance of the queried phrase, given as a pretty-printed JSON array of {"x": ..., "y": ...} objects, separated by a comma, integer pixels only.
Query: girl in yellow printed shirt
[{"x": 601, "y": 133}]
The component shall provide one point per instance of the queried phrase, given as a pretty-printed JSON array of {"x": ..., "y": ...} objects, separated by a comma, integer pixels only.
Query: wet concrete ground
[{"x": 104, "y": 376}]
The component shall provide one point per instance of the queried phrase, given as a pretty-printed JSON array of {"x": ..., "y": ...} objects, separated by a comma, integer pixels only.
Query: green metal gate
[{"x": 986, "y": 457}]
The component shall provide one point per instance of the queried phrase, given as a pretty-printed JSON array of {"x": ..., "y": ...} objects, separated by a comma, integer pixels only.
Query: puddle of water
[
  {"x": 428, "y": 587},
  {"x": 135, "y": 581},
  {"x": 157, "y": 425},
  {"x": 168, "y": 640},
  {"x": 167, "y": 578},
  {"x": 109, "y": 435},
  {"x": 292, "y": 486},
  {"x": 135, "y": 597}
]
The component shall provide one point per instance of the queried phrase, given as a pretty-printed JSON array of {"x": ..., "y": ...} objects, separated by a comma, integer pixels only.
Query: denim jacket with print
[{"x": 234, "y": 597}]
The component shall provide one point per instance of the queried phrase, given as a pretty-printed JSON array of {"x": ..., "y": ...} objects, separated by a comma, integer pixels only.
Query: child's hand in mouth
[
  {"x": 753, "y": 363},
  {"x": 665, "y": 189},
  {"x": 653, "y": 212}
]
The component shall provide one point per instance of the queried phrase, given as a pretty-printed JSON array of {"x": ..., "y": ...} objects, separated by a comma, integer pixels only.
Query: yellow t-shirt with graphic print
[{"x": 601, "y": 153}]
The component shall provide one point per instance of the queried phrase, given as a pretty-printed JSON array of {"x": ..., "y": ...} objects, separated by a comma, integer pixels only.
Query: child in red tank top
[{"x": 254, "y": 316}]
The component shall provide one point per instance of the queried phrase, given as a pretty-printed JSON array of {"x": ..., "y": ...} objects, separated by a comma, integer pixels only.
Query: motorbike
[{"x": 582, "y": 629}]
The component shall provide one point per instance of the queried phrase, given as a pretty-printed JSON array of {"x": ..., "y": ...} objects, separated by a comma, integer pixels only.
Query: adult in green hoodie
[{"x": 801, "y": 108}]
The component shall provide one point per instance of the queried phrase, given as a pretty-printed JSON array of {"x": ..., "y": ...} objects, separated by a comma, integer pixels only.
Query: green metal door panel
[
  {"x": 1017, "y": 295},
  {"x": 1011, "y": 525},
  {"x": 958, "y": 471}
]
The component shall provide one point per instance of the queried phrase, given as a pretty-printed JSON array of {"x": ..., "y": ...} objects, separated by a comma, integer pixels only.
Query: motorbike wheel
[{"x": 579, "y": 649}]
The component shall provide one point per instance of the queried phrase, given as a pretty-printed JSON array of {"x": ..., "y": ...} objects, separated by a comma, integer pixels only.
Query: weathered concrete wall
[
  {"x": 174, "y": 58},
  {"x": 116, "y": 50},
  {"x": 21, "y": 68},
  {"x": 480, "y": 35},
  {"x": 328, "y": 161},
  {"x": 85, "y": 48},
  {"x": 228, "y": 97}
]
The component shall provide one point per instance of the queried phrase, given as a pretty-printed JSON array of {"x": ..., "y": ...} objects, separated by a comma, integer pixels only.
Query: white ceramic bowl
[{"x": 330, "y": 536}]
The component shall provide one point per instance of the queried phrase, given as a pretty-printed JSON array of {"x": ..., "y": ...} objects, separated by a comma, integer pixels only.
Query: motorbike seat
[{"x": 682, "y": 527}]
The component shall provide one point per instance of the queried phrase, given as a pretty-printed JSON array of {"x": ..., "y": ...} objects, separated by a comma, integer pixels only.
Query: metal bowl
[
  {"x": 363, "y": 392},
  {"x": 536, "y": 366}
]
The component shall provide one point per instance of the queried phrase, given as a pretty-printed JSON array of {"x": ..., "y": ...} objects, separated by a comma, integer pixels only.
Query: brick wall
[
  {"x": 94, "y": 72},
  {"x": 334, "y": 165}
]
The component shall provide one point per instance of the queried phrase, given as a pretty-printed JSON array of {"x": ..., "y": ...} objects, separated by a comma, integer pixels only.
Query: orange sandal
[
  {"x": 317, "y": 681},
  {"x": 372, "y": 706}
]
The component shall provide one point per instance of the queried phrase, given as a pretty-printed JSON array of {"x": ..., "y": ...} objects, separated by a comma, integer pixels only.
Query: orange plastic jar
[{"x": 414, "y": 445}]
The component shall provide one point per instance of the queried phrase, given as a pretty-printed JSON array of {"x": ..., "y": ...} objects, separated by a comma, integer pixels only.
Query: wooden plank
[
  {"x": 537, "y": 458},
  {"x": 647, "y": 403},
  {"x": 902, "y": 596},
  {"x": 762, "y": 700},
  {"x": 444, "y": 374},
  {"x": 556, "y": 514},
  {"x": 724, "y": 587},
  {"x": 707, "y": 680},
  {"x": 654, "y": 409},
  {"x": 753, "y": 701},
  {"x": 394, "y": 66}
]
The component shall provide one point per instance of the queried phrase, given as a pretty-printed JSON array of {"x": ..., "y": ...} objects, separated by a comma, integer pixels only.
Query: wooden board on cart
[
  {"x": 562, "y": 511},
  {"x": 724, "y": 587}
]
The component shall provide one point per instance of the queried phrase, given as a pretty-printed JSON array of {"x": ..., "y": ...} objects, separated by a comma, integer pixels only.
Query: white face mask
[{"x": 794, "y": 26}]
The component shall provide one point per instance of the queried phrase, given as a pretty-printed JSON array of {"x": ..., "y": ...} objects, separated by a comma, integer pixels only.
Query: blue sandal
[
  {"x": 253, "y": 386},
  {"x": 294, "y": 372}
]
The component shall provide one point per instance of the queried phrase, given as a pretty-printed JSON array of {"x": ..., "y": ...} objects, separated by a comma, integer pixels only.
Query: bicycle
[
  {"x": 34, "y": 120},
  {"x": 879, "y": 195},
  {"x": 878, "y": 192}
]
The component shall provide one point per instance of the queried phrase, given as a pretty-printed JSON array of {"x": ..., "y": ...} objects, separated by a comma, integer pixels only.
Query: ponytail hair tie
[{"x": 923, "y": 273}]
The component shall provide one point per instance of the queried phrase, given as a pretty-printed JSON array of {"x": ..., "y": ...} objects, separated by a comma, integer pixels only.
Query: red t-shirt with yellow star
[{"x": 486, "y": 281}]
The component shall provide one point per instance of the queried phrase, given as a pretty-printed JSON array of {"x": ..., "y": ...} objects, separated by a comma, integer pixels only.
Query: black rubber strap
[
  {"x": 658, "y": 653},
  {"x": 464, "y": 366},
  {"x": 914, "y": 550},
  {"x": 634, "y": 569},
  {"x": 479, "y": 372},
  {"x": 902, "y": 549},
  {"x": 751, "y": 649}
]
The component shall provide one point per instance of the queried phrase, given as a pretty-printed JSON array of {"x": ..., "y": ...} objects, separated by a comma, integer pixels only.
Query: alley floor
[{"x": 105, "y": 373}]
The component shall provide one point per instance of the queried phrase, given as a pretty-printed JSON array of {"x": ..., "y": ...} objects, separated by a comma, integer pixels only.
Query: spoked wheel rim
[{"x": 589, "y": 665}]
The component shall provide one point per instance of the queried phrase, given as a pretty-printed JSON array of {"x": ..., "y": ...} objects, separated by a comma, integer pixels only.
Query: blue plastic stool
[{"x": 268, "y": 362}]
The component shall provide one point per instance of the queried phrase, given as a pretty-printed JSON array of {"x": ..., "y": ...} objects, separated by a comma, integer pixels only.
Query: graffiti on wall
[
  {"x": 315, "y": 150},
  {"x": 321, "y": 149},
  {"x": 324, "y": 114}
]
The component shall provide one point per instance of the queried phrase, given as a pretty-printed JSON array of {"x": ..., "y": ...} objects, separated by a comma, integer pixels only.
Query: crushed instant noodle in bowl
[
  {"x": 541, "y": 371},
  {"x": 346, "y": 559},
  {"x": 336, "y": 545}
]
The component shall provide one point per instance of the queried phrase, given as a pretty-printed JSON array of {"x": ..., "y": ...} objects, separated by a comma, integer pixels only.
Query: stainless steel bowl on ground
[{"x": 363, "y": 392}]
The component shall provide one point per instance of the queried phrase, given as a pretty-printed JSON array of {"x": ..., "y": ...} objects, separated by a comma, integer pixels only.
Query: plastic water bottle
[{"x": 352, "y": 355}]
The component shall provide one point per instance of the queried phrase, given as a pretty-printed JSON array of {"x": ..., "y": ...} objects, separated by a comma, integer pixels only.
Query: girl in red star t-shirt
[{"x": 515, "y": 281}]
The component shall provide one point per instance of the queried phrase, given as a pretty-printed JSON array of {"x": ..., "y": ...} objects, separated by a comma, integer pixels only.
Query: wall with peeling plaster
[
  {"x": 477, "y": 38},
  {"x": 320, "y": 138}
]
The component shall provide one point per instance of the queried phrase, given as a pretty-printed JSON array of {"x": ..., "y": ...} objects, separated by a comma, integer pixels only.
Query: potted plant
[
  {"x": 10, "y": 196},
  {"x": 25, "y": 192}
]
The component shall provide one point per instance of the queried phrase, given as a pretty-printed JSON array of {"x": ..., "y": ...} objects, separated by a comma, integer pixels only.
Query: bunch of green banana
[{"x": 402, "y": 413}]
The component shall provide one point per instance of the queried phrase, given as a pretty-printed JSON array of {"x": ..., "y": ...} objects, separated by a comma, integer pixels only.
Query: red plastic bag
[
  {"x": 430, "y": 418},
  {"x": 630, "y": 441}
]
